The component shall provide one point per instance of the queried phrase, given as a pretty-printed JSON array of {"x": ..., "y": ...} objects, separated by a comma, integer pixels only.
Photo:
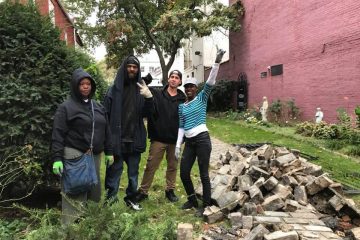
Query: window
[
  {"x": 65, "y": 37},
  {"x": 142, "y": 69},
  {"x": 151, "y": 69},
  {"x": 276, "y": 70},
  {"x": 51, "y": 12}
]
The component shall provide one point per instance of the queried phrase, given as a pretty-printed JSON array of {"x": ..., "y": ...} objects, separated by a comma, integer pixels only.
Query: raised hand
[
  {"x": 144, "y": 90},
  {"x": 219, "y": 55}
]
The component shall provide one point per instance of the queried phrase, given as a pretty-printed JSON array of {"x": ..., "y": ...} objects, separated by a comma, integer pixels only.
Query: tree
[{"x": 125, "y": 26}]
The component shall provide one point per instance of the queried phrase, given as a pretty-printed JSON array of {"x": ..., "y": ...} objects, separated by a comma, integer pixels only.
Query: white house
[
  {"x": 200, "y": 52},
  {"x": 150, "y": 63}
]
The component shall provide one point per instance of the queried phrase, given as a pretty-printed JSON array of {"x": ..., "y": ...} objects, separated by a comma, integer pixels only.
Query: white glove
[
  {"x": 177, "y": 152},
  {"x": 144, "y": 90}
]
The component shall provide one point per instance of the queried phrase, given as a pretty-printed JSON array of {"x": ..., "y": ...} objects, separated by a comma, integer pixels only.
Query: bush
[
  {"x": 283, "y": 113},
  {"x": 10, "y": 228},
  {"x": 305, "y": 128},
  {"x": 35, "y": 72},
  {"x": 13, "y": 167},
  {"x": 323, "y": 130},
  {"x": 320, "y": 130},
  {"x": 221, "y": 96},
  {"x": 357, "y": 113}
]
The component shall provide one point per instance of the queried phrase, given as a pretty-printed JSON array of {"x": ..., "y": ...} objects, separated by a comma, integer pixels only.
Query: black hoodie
[
  {"x": 73, "y": 122},
  {"x": 113, "y": 103},
  {"x": 163, "y": 125}
]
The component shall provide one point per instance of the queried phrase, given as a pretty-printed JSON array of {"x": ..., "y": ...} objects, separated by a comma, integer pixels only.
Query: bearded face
[{"x": 132, "y": 70}]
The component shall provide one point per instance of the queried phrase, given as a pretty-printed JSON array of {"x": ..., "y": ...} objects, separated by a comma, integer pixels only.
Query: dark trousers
[
  {"x": 113, "y": 175},
  {"x": 197, "y": 147}
]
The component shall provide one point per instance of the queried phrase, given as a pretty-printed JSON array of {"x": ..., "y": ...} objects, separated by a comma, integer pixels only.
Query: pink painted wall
[{"x": 318, "y": 43}]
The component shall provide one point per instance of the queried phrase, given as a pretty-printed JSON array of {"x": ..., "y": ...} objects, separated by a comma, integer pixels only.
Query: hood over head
[
  {"x": 122, "y": 75},
  {"x": 77, "y": 76}
]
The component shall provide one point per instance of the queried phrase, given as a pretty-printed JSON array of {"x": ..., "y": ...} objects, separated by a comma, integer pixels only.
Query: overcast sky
[{"x": 100, "y": 52}]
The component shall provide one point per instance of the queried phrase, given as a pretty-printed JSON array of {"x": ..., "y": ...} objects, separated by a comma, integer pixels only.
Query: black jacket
[
  {"x": 113, "y": 105},
  {"x": 164, "y": 122},
  {"x": 73, "y": 122}
]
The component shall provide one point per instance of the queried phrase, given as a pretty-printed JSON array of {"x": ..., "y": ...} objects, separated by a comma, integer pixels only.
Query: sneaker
[
  {"x": 141, "y": 196},
  {"x": 171, "y": 195},
  {"x": 132, "y": 204},
  {"x": 188, "y": 205}
]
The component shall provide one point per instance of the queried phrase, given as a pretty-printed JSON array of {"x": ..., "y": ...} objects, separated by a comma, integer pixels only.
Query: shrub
[
  {"x": 221, "y": 96},
  {"x": 321, "y": 130},
  {"x": 234, "y": 115},
  {"x": 357, "y": 113},
  {"x": 10, "y": 228},
  {"x": 35, "y": 71},
  {"x": 305, "y": 128},
  {"x": 343, "y": 117},
  {"x": 15, "y": 166},
  {"x": 283, "y": 113}
]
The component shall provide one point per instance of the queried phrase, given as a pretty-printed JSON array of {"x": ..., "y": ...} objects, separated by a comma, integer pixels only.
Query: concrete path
[{"x": 219, "y": 147}]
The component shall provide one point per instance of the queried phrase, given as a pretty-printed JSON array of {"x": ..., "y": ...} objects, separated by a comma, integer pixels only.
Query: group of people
[{"x": 119, "y": 131}]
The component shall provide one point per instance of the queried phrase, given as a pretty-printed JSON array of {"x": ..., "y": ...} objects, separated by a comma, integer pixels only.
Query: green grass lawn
[{"x": 341, "y": 168}]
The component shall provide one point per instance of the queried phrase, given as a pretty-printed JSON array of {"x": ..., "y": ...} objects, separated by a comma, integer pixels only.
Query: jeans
[
  {"x": 200, "y": 147},
  {"x": 113, "y": 175}
]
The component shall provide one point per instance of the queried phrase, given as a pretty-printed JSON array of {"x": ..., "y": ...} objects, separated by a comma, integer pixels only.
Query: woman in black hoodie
[{"x": 71, "y": 136}]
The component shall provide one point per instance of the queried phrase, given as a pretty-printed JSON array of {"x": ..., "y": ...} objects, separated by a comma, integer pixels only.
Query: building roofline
[{"x": 77, "y": 36}]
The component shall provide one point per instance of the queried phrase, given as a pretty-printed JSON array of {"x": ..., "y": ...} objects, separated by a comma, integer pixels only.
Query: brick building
[
  {"x": 317, "y": 42},
  {"x": 60, "y": 18}
]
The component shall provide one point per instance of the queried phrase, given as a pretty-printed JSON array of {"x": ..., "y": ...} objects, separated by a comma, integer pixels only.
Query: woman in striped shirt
[{"x": 192, "y": 125}]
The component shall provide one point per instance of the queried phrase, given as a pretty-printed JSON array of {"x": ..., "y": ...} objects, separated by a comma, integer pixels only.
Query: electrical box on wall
[{"x": 276, "y": 70}]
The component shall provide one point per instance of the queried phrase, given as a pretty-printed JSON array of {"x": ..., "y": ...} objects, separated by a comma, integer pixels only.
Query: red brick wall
[
  {"x": 318, "y": 43},
  {"x": 61, "y": 21}
]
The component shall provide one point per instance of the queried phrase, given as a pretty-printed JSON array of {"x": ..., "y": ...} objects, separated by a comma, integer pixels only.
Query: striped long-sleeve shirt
[{"x": 192, "y": 115}]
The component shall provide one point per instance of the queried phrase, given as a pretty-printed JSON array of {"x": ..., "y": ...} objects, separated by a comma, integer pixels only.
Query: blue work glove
[
  {"x": 177, "y": 153},
  {"x": 109, "y": 160},
  {"x": 58, "y": 168},
  {"x": 219, "y": 55}
]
